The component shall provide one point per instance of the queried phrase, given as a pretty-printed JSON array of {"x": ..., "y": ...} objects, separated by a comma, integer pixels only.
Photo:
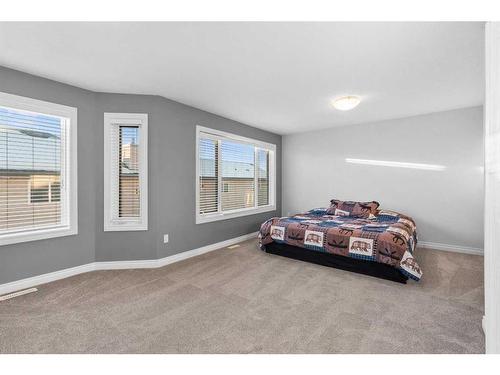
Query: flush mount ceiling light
[{"x": 346, "y": 103}]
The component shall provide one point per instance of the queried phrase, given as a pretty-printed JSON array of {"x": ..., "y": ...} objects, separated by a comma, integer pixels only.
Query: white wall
[
  {"x": 447, "y": 205},
  {"x": 491, "y": 322}
]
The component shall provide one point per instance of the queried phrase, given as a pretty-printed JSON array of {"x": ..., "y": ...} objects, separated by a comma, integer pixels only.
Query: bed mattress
[{"x": 389, "y": 237}]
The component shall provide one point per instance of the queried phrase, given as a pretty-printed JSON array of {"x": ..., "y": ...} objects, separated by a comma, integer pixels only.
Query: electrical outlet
[{"x": 165, "y": 238}]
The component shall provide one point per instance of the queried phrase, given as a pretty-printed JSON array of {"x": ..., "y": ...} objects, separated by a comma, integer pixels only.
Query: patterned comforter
[{"x": 388, "y": 238}]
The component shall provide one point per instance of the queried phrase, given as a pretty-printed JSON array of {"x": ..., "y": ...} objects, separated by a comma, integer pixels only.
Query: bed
[{"x": 361, "y": 239}]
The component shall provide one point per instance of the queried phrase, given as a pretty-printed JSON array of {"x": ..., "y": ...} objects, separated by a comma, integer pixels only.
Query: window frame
[
  {"x": 69, "y": 171},
  {"x": 224, "y": 215},
  {"x": 112, "y": 224}
]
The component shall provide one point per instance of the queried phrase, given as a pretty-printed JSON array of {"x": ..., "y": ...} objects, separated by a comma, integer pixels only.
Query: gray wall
[
  {"x": 447, "y": 205},
  {"x": 171, "y": 182},
  {"x": 33, "y": 258},
  {"x": 172, "y": 177}
]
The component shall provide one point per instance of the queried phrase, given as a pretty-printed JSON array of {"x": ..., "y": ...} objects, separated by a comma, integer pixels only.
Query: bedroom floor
[{"x": 246, "y": 301}]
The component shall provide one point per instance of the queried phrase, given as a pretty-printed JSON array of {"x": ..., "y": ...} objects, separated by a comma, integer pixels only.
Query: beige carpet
[{"x": 246, "y": 301}]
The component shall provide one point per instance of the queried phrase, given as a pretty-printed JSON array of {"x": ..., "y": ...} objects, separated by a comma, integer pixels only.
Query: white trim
[
  {"x": 69, "y": 179},
  {"x": 235, "y": 137},
  {"x": 118, "y": 265},
  {"x": 491, "y": 189},
  {"x": 111, "y": 224},
  {"x": 45, "y": 278},
  {"x": 207, "y": 218},
  {"x": 453, "y": 248},
  {"x": 220, "y": 215}
]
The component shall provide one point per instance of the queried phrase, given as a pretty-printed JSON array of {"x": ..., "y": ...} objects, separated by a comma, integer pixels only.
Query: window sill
[
  {"x": 34, "y": 235},
  {"x": 207, "y": 218}
]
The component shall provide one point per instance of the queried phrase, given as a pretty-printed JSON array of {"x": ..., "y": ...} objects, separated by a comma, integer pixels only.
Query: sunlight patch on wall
[{"x": 397, "y": 164}]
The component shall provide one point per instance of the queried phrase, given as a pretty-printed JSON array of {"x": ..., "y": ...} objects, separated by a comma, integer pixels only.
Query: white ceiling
[{"x": 275, "y": 76}]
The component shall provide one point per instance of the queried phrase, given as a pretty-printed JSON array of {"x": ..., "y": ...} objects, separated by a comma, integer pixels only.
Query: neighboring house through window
[
  {"x": 38, "y": 190},
  {"x": 235, "y": 175},
  {"x": 44, "y": 189}
]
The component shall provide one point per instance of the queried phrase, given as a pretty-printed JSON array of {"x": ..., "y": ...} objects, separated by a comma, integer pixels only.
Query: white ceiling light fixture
[{"x": 346, "y": 103}]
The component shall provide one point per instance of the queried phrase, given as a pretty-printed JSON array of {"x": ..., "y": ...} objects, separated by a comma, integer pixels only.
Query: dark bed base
[{"x": 364, "y": 267}]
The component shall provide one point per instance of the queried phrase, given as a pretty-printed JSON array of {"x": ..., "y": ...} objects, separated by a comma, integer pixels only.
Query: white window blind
[
  {"x": 263, "y": 177},
  {"x": 234, "y": 175},
  {"x": 209, "y": 198},
  {"x": 125, "y": 172},
  {"x": 35, "y": 153}
]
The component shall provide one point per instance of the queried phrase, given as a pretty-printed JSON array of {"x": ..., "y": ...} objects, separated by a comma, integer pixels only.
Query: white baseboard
[
  {"x": 453, "y": 248},
  {"x": 118, "y": 265},
  {"x": 155, "y": 263},
  {"x": 30, "y": 282}
]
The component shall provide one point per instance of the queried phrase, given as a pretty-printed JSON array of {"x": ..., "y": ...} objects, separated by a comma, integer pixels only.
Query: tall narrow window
[
  {"x": 125, "y": 172},
  {"x": 235, "y": 176},
  {"x": 37, "y": 169},
  {"x": 129, "y": 191}
]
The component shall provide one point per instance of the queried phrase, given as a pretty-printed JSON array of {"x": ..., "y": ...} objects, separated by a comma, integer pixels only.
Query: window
[
  {"x": 44, "y": 189},
  {"x": 38, "y": 176},
  {"x": 235, "y": 176},
  {"x": 125, "y": 171}
]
